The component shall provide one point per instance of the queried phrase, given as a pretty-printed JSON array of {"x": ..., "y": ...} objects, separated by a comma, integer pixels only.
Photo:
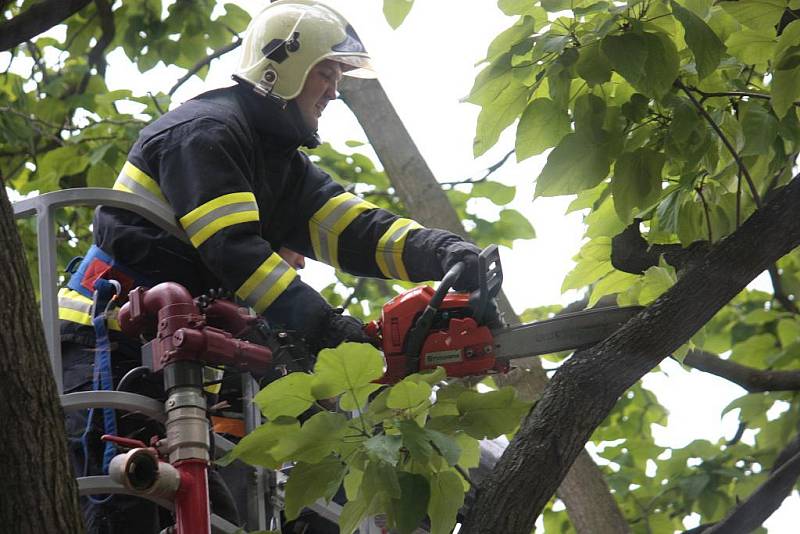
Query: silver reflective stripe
[
  {"x": 389, "y": 248},
  {"x": 266, "y": 284},
  {"x": 217, "y": 213},
  {"x": 326, "y": 226},
  {"x": 74, "y": 304},
  {"x": 136, "y": 187}
]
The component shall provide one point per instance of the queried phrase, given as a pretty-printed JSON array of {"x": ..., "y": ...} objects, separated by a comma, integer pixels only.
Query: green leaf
[
  {"x": 788, "y": 331},
  {"x": 542, "y": 125},
  {"x": 661, "y": 66},
  {"x": 491, "y": 414},
  {"x": 627, "y": 54},
  {"x": 354, "y": 511},
  {"x": 520, "y": 7},
  {"x": 445, "y": 445},
  {"x": 759, "y": 15},
  {"x": 593, "y": 66},
  {"x": 319, "y": 436},
  {"x": 470, "y": 451},
  {"x": 786, "y": 76},
  {"x": 589, "y": 114},
  {"x": 656, "y": 281},
  {"x": 577, "y": 163},
  {"x": 384, "y": 447},
  {"x": 416, "y": 440},
  {"x": 257, "y": 448},
  {"x": 751, "y": 47},
  {"x": 759, "y": 127},
  {"x": 498, "y": 193},
  {"x": 235, "y": 18},
  {"x": 380, "y": 479},
  {"x": 410, "y": 510},
  {"x": 290, "y": 395},
  {"x": 613, "y": 282},
  {"x": 636, "y": 182},
  {"x": 396, "y": 11},
  {"x": 498, "y": 115},
  {"x": 407, "y": 394},
  {"x": 636, "y": 108},
  {"x": 447, "y": 496},
  {"x": 522, "y": 28},
  {"x": 309, "y": 482},
  {"x": 357, "y": 399},
  {"x": 349, "y": 366},
  {"x": 703, "y": 42}
]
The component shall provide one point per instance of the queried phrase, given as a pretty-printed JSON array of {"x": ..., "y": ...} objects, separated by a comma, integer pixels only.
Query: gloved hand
[
  {"x": 337, "y": 329},
  {"x": 466, "y": 252}
]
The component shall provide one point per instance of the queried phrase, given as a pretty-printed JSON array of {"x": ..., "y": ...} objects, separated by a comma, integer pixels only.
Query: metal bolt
[
  {"x": 469, "y": 353},
  {"x": 487, "y": 349},
  {"x": 171, "y": 403}
]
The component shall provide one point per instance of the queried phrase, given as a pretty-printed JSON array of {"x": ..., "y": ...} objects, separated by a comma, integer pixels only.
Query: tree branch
[
  {"x": 39, "y": 18},
  {"x": 205, "y": 61},
  {"x": 753, "y": 380},
  {"x": 725, "y": 141},
  {"x": 586, "y": 387},
  {"x": 489, "y": 171},
  {"x": 631, "y": 253},
  {"x": 761, "y": 504},
  {"x": 732, "y": 94}
]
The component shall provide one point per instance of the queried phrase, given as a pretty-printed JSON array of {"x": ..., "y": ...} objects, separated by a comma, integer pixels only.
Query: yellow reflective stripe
[
  {"x": 267, "y": 282},
  {"x": 389, "y": 253},
  {"x": 134, "y": 180},
  {"x": 328, "y": 223},
  {"x": 222, "y": 212},
  {"x": 212, "y": 374},
  {"x": 74, "y": 307}
]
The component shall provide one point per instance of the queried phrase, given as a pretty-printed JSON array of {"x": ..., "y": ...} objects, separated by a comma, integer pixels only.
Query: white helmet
[{"x": 288, "y": 38}]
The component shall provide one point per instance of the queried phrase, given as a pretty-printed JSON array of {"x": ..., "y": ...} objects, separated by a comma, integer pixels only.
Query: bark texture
[
  {"x": 753, "y": 380},
  {"x": 39, "y": 493},
  {"x": 584, "y": 390},
  {"x": 38, "y": 18},
  {"x": 590, "y": 505}
]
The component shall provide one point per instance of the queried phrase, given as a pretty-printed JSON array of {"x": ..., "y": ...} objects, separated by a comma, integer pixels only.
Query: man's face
[{"x": 319, "y": 89}]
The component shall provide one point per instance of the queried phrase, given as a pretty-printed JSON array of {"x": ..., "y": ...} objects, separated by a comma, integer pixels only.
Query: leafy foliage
[
  {"x": 402, "y": 451},
  {"x": 682, "y": 116}
]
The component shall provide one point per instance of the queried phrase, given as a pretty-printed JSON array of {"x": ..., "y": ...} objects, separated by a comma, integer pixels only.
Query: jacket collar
[{"x": 280, "y": 127}]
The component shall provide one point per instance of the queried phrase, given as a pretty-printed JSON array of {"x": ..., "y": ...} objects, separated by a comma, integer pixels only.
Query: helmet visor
[{"x": 355, "y": 66}]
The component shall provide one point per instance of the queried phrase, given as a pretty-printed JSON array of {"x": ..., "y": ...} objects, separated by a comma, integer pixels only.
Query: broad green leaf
[
  {"x": 348, "y": 366},
  {"x": 429, "y": 377},
  {"x": 407, "y": 394},
  {"x": 614, "y": 282},
  {"x": 356, "y": 399},
  {"x": 470, "y": 450},
  {"x": 257, "y": 448},
  {"x": 352, "y": 483},
  {"x": 396, "y": 11},
  {"x": 59, "y": 162},
  {"x": 520, "y": 7},
  {"x": 498, "y": 115},
  {"x": 786, "y": 74},
  {"x": 447, "y": 496},
  {"x": 309, "y": 482},
  {"x": 489, "y": 415},
  {"x": 755, "y": 350},
  {"x": 384, "y": 447},
  {"x": 656, "y": 281},
  {"x": 661, "y": 66},
  {"x": 759, "y": 15},
  {"x": 577, "y": 163},
  {"x": 416, "y": 440},
  {"x": 491, "y": 81},
  {"x": 354, "y": 511},
  {"x": 412, "y": 507},
  {"x": 759, "y": 317},
  {"x": 592, "y": 65},
  {"x": 788, "y": 331},
  {"x": 541, "y": 126},
  {"x": 589, "y": 114},
  {"x": 751, "y": 47},
  {"x": 522, "y": 28},
  {"x": 759, "y": 127},
  {"x": 703, "y": 42},
  {"x": 319, "y": 436},
  {"x": 290, "y": 395},
  {"x": 235, "y": 18},
  {"x": 380, "y": 479},
  {"x": 445, "y": 445},
  {"x": 627, "y": 54},
  {"x": 636, "y": 181},
  {"x": 498, "y": 193}
]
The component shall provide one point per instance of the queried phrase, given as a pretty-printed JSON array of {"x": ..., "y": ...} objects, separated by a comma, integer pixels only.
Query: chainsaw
[{"x": 423, "y": 328}]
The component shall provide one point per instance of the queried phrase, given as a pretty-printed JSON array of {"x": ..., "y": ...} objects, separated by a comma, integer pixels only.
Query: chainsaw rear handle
[{"x": 490, "y": 278}]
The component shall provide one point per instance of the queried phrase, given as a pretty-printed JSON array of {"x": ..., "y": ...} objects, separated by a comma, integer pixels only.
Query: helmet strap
[{"x": 264, "y": 87}]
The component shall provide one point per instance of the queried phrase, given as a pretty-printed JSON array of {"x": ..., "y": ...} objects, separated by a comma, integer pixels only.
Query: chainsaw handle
[{"x": 490, "y": 279}]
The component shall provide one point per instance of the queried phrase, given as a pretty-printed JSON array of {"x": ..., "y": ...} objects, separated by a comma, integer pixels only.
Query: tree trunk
[
  {"x": 38, "y": 488},
  {"x": 590, "y": 505},
  {"x": 585, "y": 388}
]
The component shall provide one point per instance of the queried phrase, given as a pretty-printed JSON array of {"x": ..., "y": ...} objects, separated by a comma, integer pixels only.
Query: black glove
[
  {"x": 337, "y": 329},
  {"x": 461, "y": 251}
]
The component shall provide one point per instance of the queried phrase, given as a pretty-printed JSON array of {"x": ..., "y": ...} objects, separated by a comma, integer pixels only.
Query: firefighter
[{"x": 228, "y": 164}]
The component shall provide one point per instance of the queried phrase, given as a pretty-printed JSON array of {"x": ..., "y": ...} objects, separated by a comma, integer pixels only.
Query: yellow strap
[
  {"x": 206, "y": 220},
  {"x": 389, "y": 253},
  {"x": 269, "y": 280}
]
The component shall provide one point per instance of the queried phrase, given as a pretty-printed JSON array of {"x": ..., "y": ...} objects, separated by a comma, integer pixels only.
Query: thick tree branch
[
  {"x": 586, "y": 387},
  {"x": 753, "y": 380},
  {"x": 204, "y": 62},
  {"x": 38, "y": 18},
  {"x": 761, "y": 504}
]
